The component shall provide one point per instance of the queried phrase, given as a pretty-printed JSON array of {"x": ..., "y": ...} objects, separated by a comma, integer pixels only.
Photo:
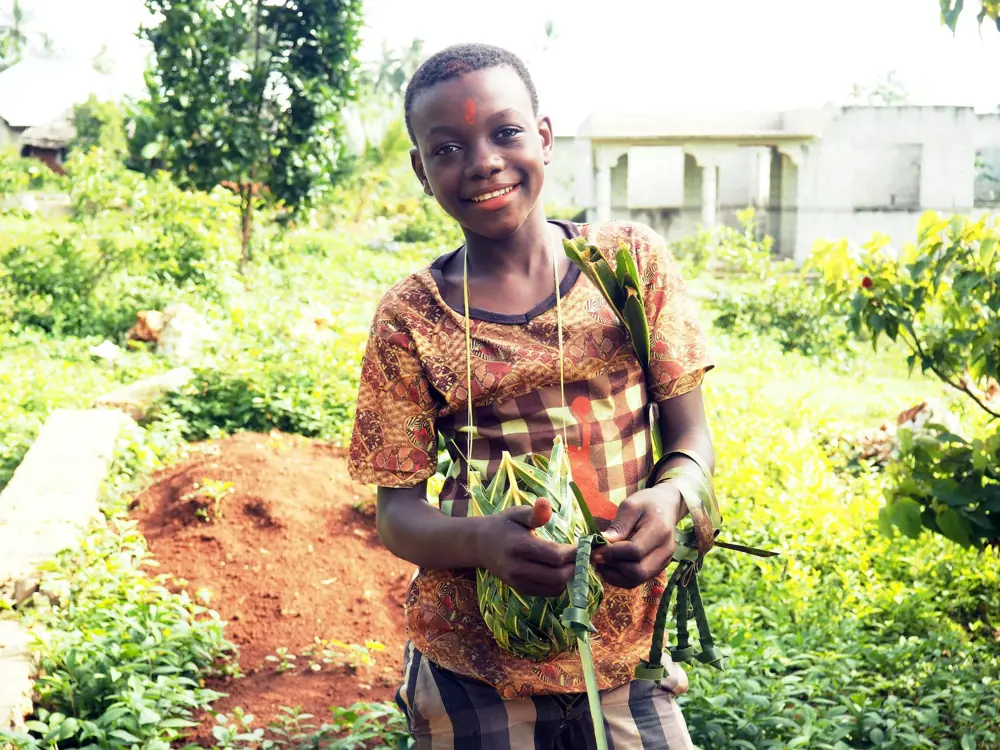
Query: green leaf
[
  {"x": 954, "y": 526},
  {"x": 124, "y": 736},
  {"x": 638, "y": 328},
  {"x": 905, "y": 514},
  {"x": 987, "y": 252},
  {"x": 885, "y": 522},
  {"x": 968, "y": 742},
  {"x": 151, "y": 150}
]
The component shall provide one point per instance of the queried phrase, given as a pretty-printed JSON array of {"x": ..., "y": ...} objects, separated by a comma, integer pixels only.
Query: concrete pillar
[
  {"x": 605, "y": 159},
  {"x": 709, "y": 194},
  {"x": 708, "y": 160},
  {"x": 603, "y": 190},
  {"x": 794, "y": 243},
  {"x": 763, "y": 197}
]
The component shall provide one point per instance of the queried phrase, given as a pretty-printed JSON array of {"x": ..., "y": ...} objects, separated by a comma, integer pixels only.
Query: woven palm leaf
[{"x": 525, "y": 625}]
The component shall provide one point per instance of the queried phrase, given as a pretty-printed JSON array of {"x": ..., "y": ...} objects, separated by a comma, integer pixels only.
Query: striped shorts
[{"x": 446, "y": 711}]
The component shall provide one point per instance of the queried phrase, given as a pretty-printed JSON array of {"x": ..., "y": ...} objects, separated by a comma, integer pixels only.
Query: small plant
[
  {"x": 284, "y": 659},
  {"x": 237, "y": 733},
  {"x": 214, "y": 491},
  {"x": 337, "y": 653}
]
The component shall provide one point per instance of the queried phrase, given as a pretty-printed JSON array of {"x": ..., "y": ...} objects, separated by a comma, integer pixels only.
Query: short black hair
[{"x": 459, "y": 60}]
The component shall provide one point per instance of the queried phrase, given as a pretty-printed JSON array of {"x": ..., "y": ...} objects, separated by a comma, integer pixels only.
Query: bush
[
  {"x": 940, "y": 300},
  {"x": 99, "y": 125},
  {"x": 725, "y": 250},
  {"x": 792, "y": 311},
  {"x": 422, "y": 220},
  {"x": 848, "y": 639},
  {"x": 134, "y": 243}
]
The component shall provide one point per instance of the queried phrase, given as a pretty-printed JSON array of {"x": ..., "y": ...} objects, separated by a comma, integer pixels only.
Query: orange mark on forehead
[{"x": 470, "y": 111}]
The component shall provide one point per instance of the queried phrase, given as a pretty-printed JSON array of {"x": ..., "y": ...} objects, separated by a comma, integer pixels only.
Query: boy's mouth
[{"x": 494, "y": 198}]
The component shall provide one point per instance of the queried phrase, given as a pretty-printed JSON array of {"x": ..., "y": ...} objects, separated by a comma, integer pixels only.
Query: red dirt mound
[{"x": 288, "y": 559}]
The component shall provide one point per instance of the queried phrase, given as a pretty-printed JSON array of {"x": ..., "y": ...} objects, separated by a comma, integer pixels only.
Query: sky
[{"x": 649, "y": 55}]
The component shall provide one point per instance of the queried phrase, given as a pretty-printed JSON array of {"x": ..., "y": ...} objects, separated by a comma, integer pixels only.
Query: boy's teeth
[{"x": 494, "y": 194}]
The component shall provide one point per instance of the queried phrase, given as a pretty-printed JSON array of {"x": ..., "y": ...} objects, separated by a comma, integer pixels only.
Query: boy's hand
[
  {"x": 531, "y": 566},
  {"x": 641, "y": 538}
]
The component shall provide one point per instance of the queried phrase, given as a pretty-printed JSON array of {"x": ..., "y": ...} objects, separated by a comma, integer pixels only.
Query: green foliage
[
  {"x": 252, "y": 93},
  {"x": 762, "y": 296},
  {"x": 19, "y": 174},
  {"x": 849, "y": 639},
  {"x": 941, "y": 300},
  {"x": 40, "y": 373},
  {"x": 951, "y": 11},
  {"x": 273, "y": 368},
  {"x": 134, "y": 243},
  {"x": 727, "y": 250},
  {"x": 362, "y": 726},
  {"x": 99, "y": 125},
  {"x": 122, "y": 659},
  {"x": 887, "y": 91},
  {"x": 422, "y": 220},
  {"x": 791, "y": 310}
]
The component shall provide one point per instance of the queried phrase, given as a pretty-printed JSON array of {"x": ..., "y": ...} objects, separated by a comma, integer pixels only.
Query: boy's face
[{"x": 481, "y": 151}]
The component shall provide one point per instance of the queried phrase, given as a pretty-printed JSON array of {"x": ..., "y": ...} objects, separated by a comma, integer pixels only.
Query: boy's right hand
[{"x": 530, "y": 565}]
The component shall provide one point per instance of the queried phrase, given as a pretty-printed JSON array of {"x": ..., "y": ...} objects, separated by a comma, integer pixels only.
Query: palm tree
[{"x": 13, "y": 38}]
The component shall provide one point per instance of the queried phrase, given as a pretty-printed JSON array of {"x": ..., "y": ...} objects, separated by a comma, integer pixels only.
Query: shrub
[
  {"x": 133, "y": 243},
  {"x": 940, "y": 300},
  {"x": 726, "y": 250},
  {"x": 848, "y": 639},
  {"x": 792, "y": 311}
]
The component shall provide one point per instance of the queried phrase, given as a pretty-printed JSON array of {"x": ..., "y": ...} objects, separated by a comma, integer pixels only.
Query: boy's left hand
[{"x": 641, "y": 538}]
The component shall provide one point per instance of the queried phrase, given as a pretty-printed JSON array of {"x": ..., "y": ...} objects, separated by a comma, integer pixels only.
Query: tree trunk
[{"x": 246, "y": 214}]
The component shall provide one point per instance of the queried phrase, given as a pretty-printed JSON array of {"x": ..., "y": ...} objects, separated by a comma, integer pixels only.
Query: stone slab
[
  {"x": 53, "y": 495},
  {"x": 16, "y": 668}
]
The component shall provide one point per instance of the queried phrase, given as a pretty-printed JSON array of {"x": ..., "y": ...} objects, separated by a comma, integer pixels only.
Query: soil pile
[{"x": 274, "y": 528}]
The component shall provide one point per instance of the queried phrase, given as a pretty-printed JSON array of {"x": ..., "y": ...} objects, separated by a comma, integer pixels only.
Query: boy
[{"x": 480, "y": 148}]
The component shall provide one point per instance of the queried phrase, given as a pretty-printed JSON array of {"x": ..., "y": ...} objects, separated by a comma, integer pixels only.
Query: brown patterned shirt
[{"x": 413, "y": 388}]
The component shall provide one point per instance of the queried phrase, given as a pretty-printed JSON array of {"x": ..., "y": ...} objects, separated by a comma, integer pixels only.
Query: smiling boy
[{"x": 481, "y": 148}]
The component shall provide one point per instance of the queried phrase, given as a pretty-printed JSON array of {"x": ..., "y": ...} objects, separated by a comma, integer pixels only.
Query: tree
[
  {"x": 951, "y": 10},
  {"x": 13, "y": 38},
  {"x": 99, "y": 125},
  {"x": 939, "y": 298},
  {"x": 888, "y": 91},
  {"x": 252, "y": 92}
]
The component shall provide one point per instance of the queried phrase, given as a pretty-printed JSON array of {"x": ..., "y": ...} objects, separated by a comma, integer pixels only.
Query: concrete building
[{"x": 811, "y": 174}]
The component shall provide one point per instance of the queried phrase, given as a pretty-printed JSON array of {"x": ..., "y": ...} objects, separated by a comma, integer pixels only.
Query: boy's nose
[{"x": 484, "y": 163}]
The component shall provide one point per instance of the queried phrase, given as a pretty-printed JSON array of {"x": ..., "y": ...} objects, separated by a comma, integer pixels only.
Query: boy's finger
[
  {"x": 541, "y": 513},
  {"x": 616, "y": 554},
  {"x": 624, "y": 523},
  {"x": 549, "y": 553}
]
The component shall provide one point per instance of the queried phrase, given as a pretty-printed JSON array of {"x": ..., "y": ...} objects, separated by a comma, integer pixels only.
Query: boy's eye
[
  {"x": 508, "y": 132},
  {"x": 448, "y": 148}
]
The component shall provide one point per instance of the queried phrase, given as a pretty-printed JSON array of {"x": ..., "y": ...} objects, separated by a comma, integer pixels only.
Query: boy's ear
[
  {"x": 548, "y": 139},
  {"x": 418, "y": 170}
]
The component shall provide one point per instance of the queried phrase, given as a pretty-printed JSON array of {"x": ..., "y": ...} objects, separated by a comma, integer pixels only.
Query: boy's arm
[
  {"x": 415, "y": 531},
  {"x": 642, "y": 534}
]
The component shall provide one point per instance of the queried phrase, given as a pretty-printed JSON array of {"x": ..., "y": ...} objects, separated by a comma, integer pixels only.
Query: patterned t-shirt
[{"x": 413, "y": 388}]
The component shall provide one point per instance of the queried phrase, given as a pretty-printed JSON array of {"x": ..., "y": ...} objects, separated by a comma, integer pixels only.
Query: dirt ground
[{"x": 288, "y": 559}]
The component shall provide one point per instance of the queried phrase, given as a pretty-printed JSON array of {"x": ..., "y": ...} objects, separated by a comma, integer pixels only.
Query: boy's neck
[{"x": 521, "y": 254}]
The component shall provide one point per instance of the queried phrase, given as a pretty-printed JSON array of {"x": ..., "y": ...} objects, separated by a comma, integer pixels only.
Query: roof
[
  {"x": 37, "y": 91},
  {"x": 688, "y": 127},
  {"x": 53, "y": 135}
]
